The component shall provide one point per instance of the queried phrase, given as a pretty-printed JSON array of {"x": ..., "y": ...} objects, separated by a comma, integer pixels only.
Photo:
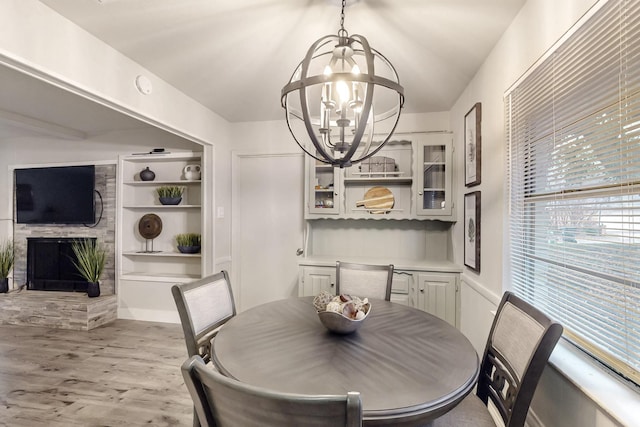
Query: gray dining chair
[
  {"x": 364, "y": 280},
  {"x": 224, "y": 402},
  {"x": 204, "y": 306},
  {"x": 518, "y": 348}
]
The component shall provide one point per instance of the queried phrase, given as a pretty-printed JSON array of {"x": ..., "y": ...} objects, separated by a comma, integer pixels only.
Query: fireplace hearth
[{"x": 50, "y": 265}]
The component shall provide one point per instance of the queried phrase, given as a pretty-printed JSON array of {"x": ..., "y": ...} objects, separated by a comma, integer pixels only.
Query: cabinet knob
[
  {"x": 419, "y": 193},
  {"x": 332, "y": 285},
  {"x": 299, "y": 251},
  {"x": 422, "y": 291}
]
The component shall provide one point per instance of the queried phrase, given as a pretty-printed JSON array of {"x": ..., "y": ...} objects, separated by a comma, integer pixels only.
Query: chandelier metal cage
[{"x": 339, "y": 95}]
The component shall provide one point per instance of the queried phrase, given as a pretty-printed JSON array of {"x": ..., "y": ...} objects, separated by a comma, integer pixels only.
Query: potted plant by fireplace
[
  {"x": 6, "y": 264},
  {"x": 90, "y": 261}
]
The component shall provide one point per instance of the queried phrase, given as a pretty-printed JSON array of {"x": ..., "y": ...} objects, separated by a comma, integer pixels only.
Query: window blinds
[{"x": 573, "y": 168}]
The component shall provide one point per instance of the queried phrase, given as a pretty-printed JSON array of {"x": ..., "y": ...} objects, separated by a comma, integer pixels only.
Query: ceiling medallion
[{"x": 337, "y": 94}]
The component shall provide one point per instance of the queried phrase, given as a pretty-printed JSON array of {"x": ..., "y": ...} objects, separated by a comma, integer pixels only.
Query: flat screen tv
[{"x": 55, "y": 195}]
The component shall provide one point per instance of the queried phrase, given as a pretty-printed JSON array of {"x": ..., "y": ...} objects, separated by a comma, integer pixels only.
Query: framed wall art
[
  {"x": 472, "y": 230},
  {"x": 472, "y": 146}
]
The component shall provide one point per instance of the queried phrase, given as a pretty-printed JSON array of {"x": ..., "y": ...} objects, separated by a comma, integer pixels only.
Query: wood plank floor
[{"x": 126, "y": 373}]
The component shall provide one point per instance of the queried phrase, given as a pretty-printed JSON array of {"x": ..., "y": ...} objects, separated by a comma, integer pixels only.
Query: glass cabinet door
[
  {"x": 323, "y": 189},
  {"x": 434, "y": 180}
]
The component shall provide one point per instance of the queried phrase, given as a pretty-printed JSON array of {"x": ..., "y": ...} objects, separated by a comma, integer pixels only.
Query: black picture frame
[
  {"x": 472, "y": 205},
  {"x": 473, "y": 146}
]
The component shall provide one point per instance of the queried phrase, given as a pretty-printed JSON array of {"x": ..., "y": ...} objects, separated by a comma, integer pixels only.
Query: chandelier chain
[{"x": 344, "y": 3}]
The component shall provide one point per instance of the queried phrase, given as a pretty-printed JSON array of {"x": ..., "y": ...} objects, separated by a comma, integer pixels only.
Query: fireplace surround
[{"x": 50, "y": 264}]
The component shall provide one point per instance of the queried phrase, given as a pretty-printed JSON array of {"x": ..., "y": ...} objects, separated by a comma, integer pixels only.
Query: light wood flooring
[{"x": 126, "y": 373}]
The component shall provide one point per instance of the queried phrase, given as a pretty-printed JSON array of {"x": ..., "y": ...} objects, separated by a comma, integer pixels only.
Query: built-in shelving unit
[{"x": 158, "y": 262}]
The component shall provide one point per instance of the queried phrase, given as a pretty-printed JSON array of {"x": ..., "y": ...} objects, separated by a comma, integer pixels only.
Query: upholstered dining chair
[
  {"x": 204, "y": 306},
  {"x": 518, "y": 348},
  {"x": 224, "y": 402},
  {"x": 364, "y": 280}
]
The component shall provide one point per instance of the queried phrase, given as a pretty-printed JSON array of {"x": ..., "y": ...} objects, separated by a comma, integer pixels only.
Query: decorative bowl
[
  {"x": 170, "y": 200},
  {"x": 189, "y": 249},
  {"x": 339, "y": 323}
]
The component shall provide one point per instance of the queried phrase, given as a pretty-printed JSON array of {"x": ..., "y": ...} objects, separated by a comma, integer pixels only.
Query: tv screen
[{"x": 55, "y": 195}]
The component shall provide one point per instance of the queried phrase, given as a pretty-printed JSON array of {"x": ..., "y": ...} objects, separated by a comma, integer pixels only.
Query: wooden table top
[{"x": 408, "y": 365}]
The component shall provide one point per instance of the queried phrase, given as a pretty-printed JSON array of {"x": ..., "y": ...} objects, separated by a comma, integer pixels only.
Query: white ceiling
[
  {"x": 31, "y": 107},
  {"x": 234, "y": 56}
]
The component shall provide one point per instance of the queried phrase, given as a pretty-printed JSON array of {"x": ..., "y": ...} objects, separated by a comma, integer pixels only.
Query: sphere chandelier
[{"x": 340, "y": 91}]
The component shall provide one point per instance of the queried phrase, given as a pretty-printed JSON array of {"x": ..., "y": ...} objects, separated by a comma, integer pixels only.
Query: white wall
[{"x": 537, "y": 27}]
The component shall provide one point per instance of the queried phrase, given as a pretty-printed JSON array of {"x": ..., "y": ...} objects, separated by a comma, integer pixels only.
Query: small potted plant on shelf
[
  {"x": 91, "y": 258},
  {"x": 6, "y": 264},
  {"x": 170, "y": 194},
  {"x": 189, "y": 243}
]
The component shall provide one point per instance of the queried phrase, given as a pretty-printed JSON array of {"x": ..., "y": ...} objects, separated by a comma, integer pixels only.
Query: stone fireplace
[{"x": 51, "y": 264}]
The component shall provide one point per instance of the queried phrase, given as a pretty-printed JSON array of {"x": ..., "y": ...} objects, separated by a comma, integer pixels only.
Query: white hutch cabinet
[
  {"x": 418, "y": 179},
  {"x": 414, "y": 234}
]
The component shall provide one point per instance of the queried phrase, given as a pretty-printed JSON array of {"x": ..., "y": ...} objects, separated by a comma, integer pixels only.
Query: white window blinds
[{"x": 573, "y": 129}]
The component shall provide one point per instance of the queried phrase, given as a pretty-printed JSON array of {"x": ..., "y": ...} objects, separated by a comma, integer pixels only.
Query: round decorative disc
[{"x": 150, "y": 226}]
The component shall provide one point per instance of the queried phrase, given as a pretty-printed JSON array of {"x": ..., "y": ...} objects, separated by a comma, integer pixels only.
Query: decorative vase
[
  {"x": 147, "y": 174},
  {"x": 93, "y": 290},
  {"x": 192, "y": 172},
  {"x": 189, "y": 249},
  {"x": 170, "y": 200},
  {"x": 4, "y": 285}
]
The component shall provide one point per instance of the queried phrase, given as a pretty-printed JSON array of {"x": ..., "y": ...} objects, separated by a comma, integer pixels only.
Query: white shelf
[
  {"x": 161, "y": 254},
  {"x": 376, "y": 210},
  {"x": 159, "y": 183},
  {"x": 162, "y": 157},
  {"x": 145, "y": 277},
  {"x": 162, "y": 206},
  {"x": 398, "y": 180}
]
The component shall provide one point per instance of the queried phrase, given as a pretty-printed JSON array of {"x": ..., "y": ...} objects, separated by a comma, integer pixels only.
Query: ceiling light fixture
[{"x": 337, "y": 94}]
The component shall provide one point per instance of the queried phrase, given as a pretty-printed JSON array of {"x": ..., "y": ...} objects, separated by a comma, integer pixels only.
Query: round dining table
[{"x": 409, "y": 366}]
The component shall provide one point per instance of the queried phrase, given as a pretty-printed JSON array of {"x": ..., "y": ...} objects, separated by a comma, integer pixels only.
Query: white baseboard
[{"x": 148, "y": 315}]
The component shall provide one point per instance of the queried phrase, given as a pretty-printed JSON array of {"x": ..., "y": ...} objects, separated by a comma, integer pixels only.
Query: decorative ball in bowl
[{"x": 342, "y": 314}]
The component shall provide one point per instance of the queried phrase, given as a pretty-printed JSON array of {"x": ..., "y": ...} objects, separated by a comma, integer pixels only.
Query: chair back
[
  {"x": 364, "y": 280},
  {"x": 224, "y": 402},
  {"x": 204, "y": 306},
  {"x": 518, "y": 348}
]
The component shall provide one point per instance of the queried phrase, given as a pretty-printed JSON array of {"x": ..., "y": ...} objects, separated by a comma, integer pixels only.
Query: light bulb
[{"x": 343, "y": 91}]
